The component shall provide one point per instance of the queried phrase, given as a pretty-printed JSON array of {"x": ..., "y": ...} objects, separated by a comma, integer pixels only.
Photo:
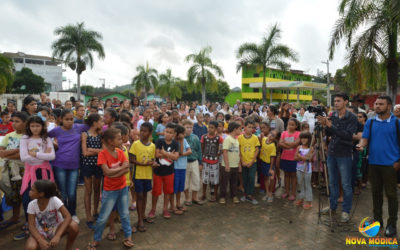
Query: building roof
[{"x": 24, "y": 55}]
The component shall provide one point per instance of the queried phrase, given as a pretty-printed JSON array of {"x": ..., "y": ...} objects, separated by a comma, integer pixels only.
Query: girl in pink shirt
[{"x": 289, "y": 142}]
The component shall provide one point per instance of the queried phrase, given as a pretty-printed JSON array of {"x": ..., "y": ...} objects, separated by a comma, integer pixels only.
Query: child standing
[
  {"x": 36, "y": 150},
  {"x": 91, "y": 147},
  {"x": 268, "y": 157},
  {"x": 199, "y": 128},
  {"x": 288, "y": 142},
  {"x": 142, "y": 155},
  {"x": 249, "y": 148},
  {"x": 167, "y": 151},
  {"x": 6, "y": 125},
  {"x": 49, "y": 220},
  {"x": 180, "y": 170},
  {"x": 162, "y": 124},
  {"x": 192, "y": 179},
  {"x": 231, "y": 163},
  {"x": 9, "y": 151},
  {"x": 304, "y": 171},
  {"x": 66, "y": 163},
  {"x": 114, "y": 164},
  {"x": 211, "y": 148}
]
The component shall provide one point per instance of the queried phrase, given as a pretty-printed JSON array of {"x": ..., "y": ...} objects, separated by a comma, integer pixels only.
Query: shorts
[
  {"x": 289, "y": 166},
  {"x": 89, "y": 171},
  {"x": 163, "y": 184},
  {"x": 210, "y": 173},
  {"x": 265, "y": 167},
  {"x": 142, "y": 186},
  {"x": 179, "y": 180},
  {"x": 192, "y": 179}
]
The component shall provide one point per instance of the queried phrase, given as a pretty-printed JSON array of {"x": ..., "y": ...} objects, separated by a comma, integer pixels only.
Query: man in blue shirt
[
  {"x": 381, "y": 135},
  {"x": 199, "y": 128}
]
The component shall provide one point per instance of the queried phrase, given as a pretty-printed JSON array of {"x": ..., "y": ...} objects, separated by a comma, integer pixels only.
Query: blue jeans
[
  {"x": 109, "y": 199},
  {"x": 66, "y": 180},
  {"x": 342, "y": 166}
]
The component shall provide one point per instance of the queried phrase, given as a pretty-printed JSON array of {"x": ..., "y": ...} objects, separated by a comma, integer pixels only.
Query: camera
[{"x": 317, "y": 110}]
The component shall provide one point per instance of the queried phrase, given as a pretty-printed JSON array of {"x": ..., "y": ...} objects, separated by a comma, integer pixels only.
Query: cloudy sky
[{"x": 163, "y": 32}]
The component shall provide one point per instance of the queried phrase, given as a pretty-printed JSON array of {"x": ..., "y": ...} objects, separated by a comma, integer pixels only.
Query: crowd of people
[{"x": 189, "y": 153}]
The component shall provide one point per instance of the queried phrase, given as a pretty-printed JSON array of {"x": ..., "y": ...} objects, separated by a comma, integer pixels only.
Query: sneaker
[
  {"x": 270, "y": 199},
  {"x": 326, "y": 210},
  {"x": 235, "y": 200},
  {"x": 265, "y": 197},
  {"x": 243, "y": 199},
  {"x": 21, "y": 236},
  {"x": 222, "y": 201},
  {"x": 254, "y": 201},
  {"x": 152, "y": 214},
  {"x": 76, "y": 219},
  {"x": 166, "y": 214},
  {"x": 90, "y": 224},
  {"x": 390, "y": 231},
  {"x": 345, "y": 217},
  {"x": 283, "y": 196}
]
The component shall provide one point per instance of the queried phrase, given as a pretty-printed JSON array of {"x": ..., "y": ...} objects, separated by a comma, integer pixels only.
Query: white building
[{"x": 43, "y": 66}]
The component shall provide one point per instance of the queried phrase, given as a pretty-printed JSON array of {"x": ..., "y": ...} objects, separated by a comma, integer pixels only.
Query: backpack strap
[
  {"x": 397, "y": 131},
  {"x": 370, "y": 133}
]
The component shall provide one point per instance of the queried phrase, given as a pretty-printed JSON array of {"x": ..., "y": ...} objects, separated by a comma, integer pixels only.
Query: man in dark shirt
[{"x": 340, "y": 127}]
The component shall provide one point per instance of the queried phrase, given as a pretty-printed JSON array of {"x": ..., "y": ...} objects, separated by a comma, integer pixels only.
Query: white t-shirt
[
  {"x": 141, "y": 121},
  {"x": 48, "y": 220},
  {"x": 310, "y": 119}
]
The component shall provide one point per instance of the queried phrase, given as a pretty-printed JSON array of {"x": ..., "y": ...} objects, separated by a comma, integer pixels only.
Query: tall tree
[
  {"x": 6, "y": 73},
  {"x": 76, "y": 46},
  {"x": 26, "y": 82},
  {"x": 202, "y": 71},
  {"x": 269, "y": 53},
  {"x": 376, "y": 23},
  {"x": 146, "y": 79},
  {"x": 168, "y": 86}
]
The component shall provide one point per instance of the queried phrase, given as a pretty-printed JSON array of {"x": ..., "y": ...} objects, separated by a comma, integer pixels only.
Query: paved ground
[{"x": 280, "y": 225}]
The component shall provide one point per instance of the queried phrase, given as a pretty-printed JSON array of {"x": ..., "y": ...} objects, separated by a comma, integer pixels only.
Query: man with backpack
[{"x": 381, "y": 136}]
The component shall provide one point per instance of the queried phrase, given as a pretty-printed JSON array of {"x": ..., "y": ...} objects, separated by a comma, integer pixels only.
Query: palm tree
[
  {"x": 76, "y": 46},
  {"x": 268, "y": 53},
  {"x": 376, "y": 22},
  {"x": 6, "y": 73},
  {"x": 146, "y": 79},
  {"x": 168, "y": 86},
  {"x": 201, "y": 72}
]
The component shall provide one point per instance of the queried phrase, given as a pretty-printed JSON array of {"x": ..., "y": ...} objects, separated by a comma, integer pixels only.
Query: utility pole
[
  {"x": 328, "y": 90},
  {"x": 69, "y": 84}
]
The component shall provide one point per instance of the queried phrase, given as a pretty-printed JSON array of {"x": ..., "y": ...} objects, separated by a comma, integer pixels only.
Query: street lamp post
[{"x": 328, "y": 90}]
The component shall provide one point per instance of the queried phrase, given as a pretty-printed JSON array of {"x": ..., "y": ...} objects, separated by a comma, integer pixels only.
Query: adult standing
[
  {"x": 43, "y": 101},
  {"x": 225, "y": 110},
  {"x": 309, "y": 117},
  {"x": 135, "y": 103},
  {"x": 273, "y": 120},
  {"x": 340, "y": 127},
  {"x": 381, "y": 135},
  {"x": 11, "y": 107},
  {"x": 247, "y": 109},
  {"x": 29, "y": 105},
  {"x": 284, "y": 113}
]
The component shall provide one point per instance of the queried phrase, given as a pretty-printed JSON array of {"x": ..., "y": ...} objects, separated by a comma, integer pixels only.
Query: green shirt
[{"x": 195, "y": 146}]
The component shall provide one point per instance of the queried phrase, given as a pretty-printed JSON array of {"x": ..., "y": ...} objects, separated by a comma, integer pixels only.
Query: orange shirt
[{"x": 104, "y": 157}]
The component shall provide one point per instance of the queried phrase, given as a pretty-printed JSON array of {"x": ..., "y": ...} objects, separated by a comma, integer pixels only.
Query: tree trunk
[
  {"x": 392, "y": 64},
  {"x": 264, "y": 87},
  {"x": 203, "y": 93},
  {"x": 78, "y": 87},
  {"x": 145, "y": 95}
]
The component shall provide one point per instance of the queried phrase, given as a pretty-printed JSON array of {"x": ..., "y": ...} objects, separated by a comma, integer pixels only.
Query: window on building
[
  {"x": 256, "y": 90},
  {"x": 33, "y": 61},
  {"x": 256, "y": 75},
  {"x": 51, "y": 63},
  {"x": 18, "y": 60}
]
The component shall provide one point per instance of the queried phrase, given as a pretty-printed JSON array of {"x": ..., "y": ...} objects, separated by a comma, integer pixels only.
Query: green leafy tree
[
  {"x": 376, "y": 24},
  {"x": 26, "y": 82},
  {"x": 6, "y": 73},
  {"x": 201, "y": 73},
  {"x": 168, "y": 86},
  {"x": 89, "y": 90},
  {"x": 145, "y": 80},
  {"x": 269, "y": 53},
  {"x": 76, "y": 46}
]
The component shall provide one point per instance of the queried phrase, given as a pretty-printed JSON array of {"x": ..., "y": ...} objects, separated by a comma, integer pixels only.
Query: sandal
[
  {"x": 203, "y": 198},
  {"x": 200, "y": 203},
  {"x": 134, "y": 230},
  {"x": 177, "y": 212},
  {"x": 111, "y": 236},
  {"x": 299, "y": 202},
  {"x": 91, "y": 246},
  {"x": 128, "y": 243},
  {"x": 141, "y": 229},
  {"x": 188, "y": 203},
  {"x": 181, "y": 209},
  {"x": 307, "y": 206},
  {"x": 148, "y": 220}
]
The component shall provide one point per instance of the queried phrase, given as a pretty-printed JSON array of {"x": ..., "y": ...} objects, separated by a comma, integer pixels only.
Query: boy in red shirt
[{"x": 6, "y": 125}]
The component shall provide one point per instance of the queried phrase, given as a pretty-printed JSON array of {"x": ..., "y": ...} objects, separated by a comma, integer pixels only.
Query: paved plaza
[{"x": 280, "y": 225}]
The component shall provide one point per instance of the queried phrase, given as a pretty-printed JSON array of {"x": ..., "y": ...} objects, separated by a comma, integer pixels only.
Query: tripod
[{"x": 317, "y": 140}]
